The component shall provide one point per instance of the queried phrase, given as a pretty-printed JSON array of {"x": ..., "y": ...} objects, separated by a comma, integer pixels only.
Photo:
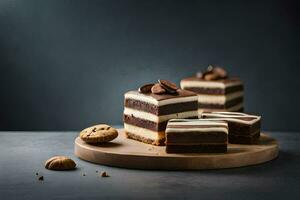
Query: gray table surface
[{"x": 22, "y": 154}]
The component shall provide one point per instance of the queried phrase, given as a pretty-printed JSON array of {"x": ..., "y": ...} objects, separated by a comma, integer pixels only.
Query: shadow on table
[{"x": 278, "y": 166}]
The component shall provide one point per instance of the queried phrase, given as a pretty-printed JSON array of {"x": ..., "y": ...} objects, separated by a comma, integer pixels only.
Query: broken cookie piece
[
  {"x": 60, "y": 163},
  {"x": 104, "y": 174}
]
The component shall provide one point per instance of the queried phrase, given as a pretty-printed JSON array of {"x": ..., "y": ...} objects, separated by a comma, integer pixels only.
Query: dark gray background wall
[{"x": 66, "y": 64}]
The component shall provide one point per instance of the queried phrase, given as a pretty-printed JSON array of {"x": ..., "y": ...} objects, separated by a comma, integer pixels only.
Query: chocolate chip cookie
[{"x": 98, "y": 134}]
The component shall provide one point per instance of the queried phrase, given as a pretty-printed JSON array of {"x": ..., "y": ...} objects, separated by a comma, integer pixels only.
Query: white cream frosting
[
  {"x": 218, "y": 99},
  {"x": 195, "y": 122},
  {"x": 230, "y": 109},
  {"x": 156, "y": 118},
  {"x": 235, "y": 107},
  {"x": 230, "y": 117},
  {"x": 213, "y": 129},
  {"x": 146, "y": 98},
  {"x": 146, "y": 133},
  {"x": 185, "y": 123},
  {"x": 232, "y": 113},
  {"x": 207, "y": 84}
]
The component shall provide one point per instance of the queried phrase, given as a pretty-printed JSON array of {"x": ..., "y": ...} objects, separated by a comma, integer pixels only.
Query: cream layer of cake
[{"x": 229, "y": 109}]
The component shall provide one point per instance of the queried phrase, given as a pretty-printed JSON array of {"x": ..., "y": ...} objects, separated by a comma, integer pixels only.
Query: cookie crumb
[
  {"x": 60, "y": 163},
  {"x": 83, "y": 174},
  {"x": 104, "y": 174},
  {"x": 36, "y": 173},
  {"x": 41, "y": 178},
  {"x": 150, "y": 148}
]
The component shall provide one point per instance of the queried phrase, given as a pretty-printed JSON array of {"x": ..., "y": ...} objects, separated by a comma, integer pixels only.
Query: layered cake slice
[
  {"x": 243, "y": 128},
  {"x": 148, "y": 110},
  {"x": 216, "y": 91},
  {"x": 196, "y": 136}
]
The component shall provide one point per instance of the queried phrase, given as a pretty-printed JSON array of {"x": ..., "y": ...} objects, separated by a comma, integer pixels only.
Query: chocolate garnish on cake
[
  {"x": 213, "y": 72},
  {"x": 146, "y": 88},
  {"x": 162, "y": 87},
  {"x": 157, "y": 89},
  {"x": 217, "y": 91},
  {"x": 168, "y": 86}
]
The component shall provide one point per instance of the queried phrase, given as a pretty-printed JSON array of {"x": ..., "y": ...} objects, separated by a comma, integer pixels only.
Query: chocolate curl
[{"x": 212, "y": 73}]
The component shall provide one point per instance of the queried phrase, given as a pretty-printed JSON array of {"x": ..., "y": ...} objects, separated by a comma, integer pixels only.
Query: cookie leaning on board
[{"x": 100, "y": 133}]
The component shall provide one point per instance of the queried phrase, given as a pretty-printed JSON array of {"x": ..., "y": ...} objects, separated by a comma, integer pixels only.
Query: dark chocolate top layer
[
  {"x": 227, "y": 105},
  {"x": 216, "y": 91},
  {"x": 160, "y": 97},
  {"x": 236, "y": 117},
  {"x": 228, "y": 80}
]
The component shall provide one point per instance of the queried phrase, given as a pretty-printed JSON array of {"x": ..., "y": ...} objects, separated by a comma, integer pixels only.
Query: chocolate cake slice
[
  {"x": 216, "y": 92},
  {"x": 196, "y": 136},
  {"x": 243, "y": 128},
  {"x": 146, "y": 114}
]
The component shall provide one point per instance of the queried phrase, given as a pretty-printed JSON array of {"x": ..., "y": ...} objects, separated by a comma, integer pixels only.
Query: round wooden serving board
[{"x": 127, "y": 153}]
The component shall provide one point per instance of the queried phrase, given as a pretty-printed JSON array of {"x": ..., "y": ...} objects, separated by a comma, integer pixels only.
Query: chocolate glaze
[
  {"x": 161, "y": 97},
  {"x": 229, "y": 80}
]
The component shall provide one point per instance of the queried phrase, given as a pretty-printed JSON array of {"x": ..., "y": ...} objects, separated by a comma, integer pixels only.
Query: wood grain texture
[{"x": 127, "y": 153}]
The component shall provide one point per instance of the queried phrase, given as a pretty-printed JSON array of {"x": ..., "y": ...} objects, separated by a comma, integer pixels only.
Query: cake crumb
[
  {"x": 41, "y": 178},
  {"x": 104, "y": 174},
  {"x": 151, "y": 148}
]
